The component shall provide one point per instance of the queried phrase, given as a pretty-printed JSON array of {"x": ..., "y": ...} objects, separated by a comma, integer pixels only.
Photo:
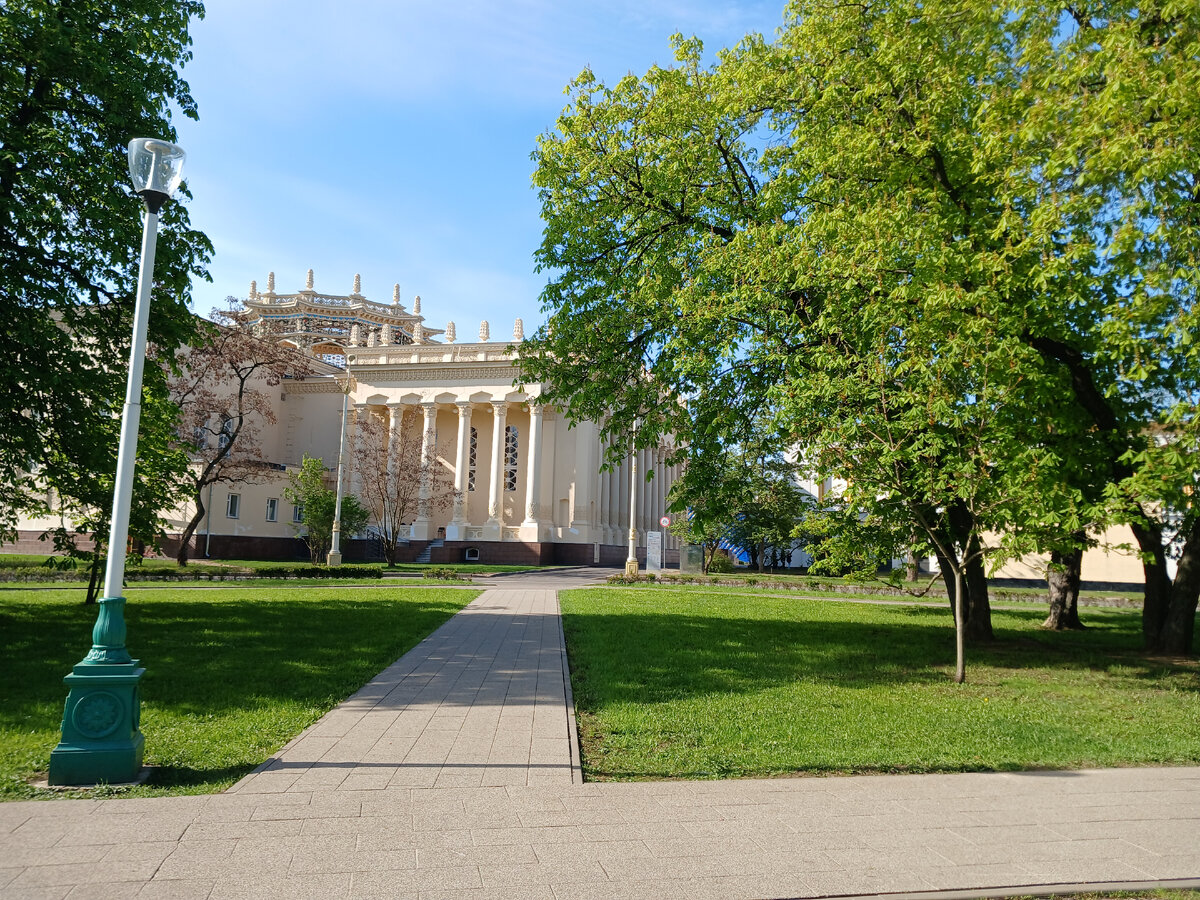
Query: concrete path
[{"x": 453, "y": 775}]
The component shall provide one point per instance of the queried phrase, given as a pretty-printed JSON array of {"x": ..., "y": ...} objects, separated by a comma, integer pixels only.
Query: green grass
[
  {"x": 232, "y": 673},
  {"x": 676, "y": 682}
]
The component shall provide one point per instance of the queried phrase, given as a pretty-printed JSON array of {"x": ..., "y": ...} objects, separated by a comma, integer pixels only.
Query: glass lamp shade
[{"x": 155, "y": 166}]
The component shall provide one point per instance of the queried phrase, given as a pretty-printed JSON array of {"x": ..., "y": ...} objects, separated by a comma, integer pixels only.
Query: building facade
[{"x": 527, "y": 484}]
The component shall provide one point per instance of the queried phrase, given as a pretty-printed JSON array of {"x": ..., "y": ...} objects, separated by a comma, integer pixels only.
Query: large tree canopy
[
  {"x": 949, "y": 245},
  {"x": 80, "y": 79}
]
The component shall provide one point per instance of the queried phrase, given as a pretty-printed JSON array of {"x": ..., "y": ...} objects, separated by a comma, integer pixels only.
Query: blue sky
[{"x": 393, "y": 139}]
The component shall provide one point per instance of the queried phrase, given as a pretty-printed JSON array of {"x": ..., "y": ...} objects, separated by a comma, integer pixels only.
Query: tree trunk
[
  {"x": 762, "y": 556},
  {"x": 960, "y": 657},
  {"x": 1177, "y": 635},
  {"x": 181, "y": 556},
  {"x": 979, "y": 610},
  {"x": 93, "y": 587},
  {"x": 1063, "y": 578},
  {"x": 946, "y": 570},
  {"x": 1156, "y": 598}
]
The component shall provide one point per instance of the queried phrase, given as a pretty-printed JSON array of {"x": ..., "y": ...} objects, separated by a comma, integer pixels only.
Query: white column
[
  {"x": 531, "y": 528},
  {"x": 422, "y": 526},
  {"x": 493, "y": 530},
  {"x": 586, "y": 465},
  {"x": 457, "y": 529},
  {"x": 396, "y": 417}
]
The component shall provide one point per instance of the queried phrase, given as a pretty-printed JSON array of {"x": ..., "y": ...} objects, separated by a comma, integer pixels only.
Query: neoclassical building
[{"x": 527, "y": 485}]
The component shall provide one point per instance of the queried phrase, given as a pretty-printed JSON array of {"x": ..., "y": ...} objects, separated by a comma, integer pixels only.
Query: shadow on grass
[{"x": 663, "y": 655}]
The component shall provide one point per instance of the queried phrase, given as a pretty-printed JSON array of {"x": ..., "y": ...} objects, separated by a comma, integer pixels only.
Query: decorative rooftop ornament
[
  {"x": 484, "y": 334},
  {"x": 449, "y": 332},
  {"x": 518, "y": 330},
  {"x": 385, "y": 335},
  {"x": 395, "y": 295},
  {"x": 253, "y": 290},
  {"x": 418, "y": 333},
  {"x": 357, "y": 284},
  {"x": 270, "y": 282},
  {"x": 355, "y": 335},
  {"x": 308, "y": 282},
  {"x": 417, "y": 305}
]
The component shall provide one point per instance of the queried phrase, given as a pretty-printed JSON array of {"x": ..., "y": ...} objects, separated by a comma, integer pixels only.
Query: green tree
[
  {"x": 953, "y": 243},
  {"x": 307, "y": 489},
  {"x": 79, "y": 80}
]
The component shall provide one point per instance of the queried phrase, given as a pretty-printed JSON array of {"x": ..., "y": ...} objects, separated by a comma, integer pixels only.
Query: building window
[
  {"x": 510, "y": 458},
  {"x": 472, "y": 460},
  {"x": 298, "y": 513},
  {"x": 200, "y": 438},
  {"x": 272, "y": 509},
  {"x": 226, "y": 435},
  {"x": 232, "y": 504}
]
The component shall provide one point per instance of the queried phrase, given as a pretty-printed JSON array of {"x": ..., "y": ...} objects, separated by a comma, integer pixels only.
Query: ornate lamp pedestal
[{"x": 101, "y": 738}]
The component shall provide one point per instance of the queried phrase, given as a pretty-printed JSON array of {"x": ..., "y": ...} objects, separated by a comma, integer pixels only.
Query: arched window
[
  {"x": 473, "y": 458},
  {"x": 510, "y": 458}
]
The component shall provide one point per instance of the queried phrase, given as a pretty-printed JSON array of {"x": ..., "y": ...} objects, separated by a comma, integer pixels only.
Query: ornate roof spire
[
  {"x": 449, "y": 332},
  {"x": 357, "y": 284},
  {"x": 518, "y": 330},
  {"x": 253, "y": 290},
  {"x": 484, "y": 334},
  {"x": 418, "y": 333},
  {"x": 417, "y": 305},
  {"x": 308, "y": 282},
  {"x": 395, "y": 295},
  {"x": 270, "y": 282}
]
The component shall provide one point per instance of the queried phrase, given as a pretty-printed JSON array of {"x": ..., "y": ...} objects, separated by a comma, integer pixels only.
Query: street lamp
[{"x": 101, "y": 738}]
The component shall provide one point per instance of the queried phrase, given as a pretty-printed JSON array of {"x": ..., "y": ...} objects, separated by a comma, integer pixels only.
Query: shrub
[
  {"x": 442, "y": 573},
  {"x": 721, "y": 564},
  {"x": 302, "y": 571}
]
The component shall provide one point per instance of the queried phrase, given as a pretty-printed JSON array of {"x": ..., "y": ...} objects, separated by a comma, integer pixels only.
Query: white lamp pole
[
  {"x": 101, "y": 737},
  {"x": 334, "y": 558},
  {"x": 631, "y": 563}
]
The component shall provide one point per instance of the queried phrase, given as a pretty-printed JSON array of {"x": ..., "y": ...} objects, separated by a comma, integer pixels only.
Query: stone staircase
[{"x": 423, "y": 556}]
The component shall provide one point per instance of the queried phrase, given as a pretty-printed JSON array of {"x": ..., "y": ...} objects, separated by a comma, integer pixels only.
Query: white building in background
[{"x": 529, "y": 488}]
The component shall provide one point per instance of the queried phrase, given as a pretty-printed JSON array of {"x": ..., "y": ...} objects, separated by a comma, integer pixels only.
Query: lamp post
[
  {"x": 631, "y": 563},
  {"x": 334, "y": 557},
  {"x": 101, "y": 739}
]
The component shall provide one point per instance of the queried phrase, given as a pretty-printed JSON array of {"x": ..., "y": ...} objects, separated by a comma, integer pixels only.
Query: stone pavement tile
[
  {"x": 630, "y": 831},
  {"x": 320, "y": 806},
  {"x": 528, "y": 892},
  {"x": 1080, "y": 870},
  {"x": 967, "y": 877},
  {"x": 552, "y": 834},
  {"x": 307, "y": 887},
  {"x": 653, "y": 889},
  {"x": 369, "y": 778},
  {"x": 990, "y": 835},
  {"x": 514, "y": 878},
  {"x": 410, "y": 882},
  {"x": 409, "y": 839},
  {"x": 597, "y": 851},
  {"x": 36, "y": 833},
  {"x": 116, "y": 890},
  {"x": 469, "y": 819},
  {"x": 197, "y": 889},
  {"x": 598, "y": 816},
  {"x": 8, "y": 873},
  {"x": 45, "y": 892},
  {"x": 81, "y": 873},
  {"x": 744, "y": 887},
  {"x": 866, "y": 882},
  {"x": 699, "y": 846},
  {"x": 831, "y": 839},
  {"x": 774, "y": 863},
  {"x": 916, "y": 837},
  {"x": 495, "y": 855},
  {"x": 1174, "y": 865},
  {"x": 329, "y": 861},
  {"x": 363, "y": 825},
  {"x": 904, "y": 857},
  {"x": 644, "y": 869},
  {"x": 229, "y": 831},
  {"x": 89, "y": 832},
  {"x": 51, "y": 856},
  {"x": 152, "y": 851}
]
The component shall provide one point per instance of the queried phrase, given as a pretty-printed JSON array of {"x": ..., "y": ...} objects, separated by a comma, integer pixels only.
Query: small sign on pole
[
  {"x": 665, "y": 521},
  {"x": 654, "y": 551}
]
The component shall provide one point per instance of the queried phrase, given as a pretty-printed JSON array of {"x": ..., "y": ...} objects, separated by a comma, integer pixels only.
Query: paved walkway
[{"x": 453, "y": 775}]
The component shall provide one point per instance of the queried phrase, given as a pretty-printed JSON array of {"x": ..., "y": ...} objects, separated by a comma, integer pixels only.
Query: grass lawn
[
  {"x": 231, "y": 673},
  {"x": 675, "y": 682}
]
